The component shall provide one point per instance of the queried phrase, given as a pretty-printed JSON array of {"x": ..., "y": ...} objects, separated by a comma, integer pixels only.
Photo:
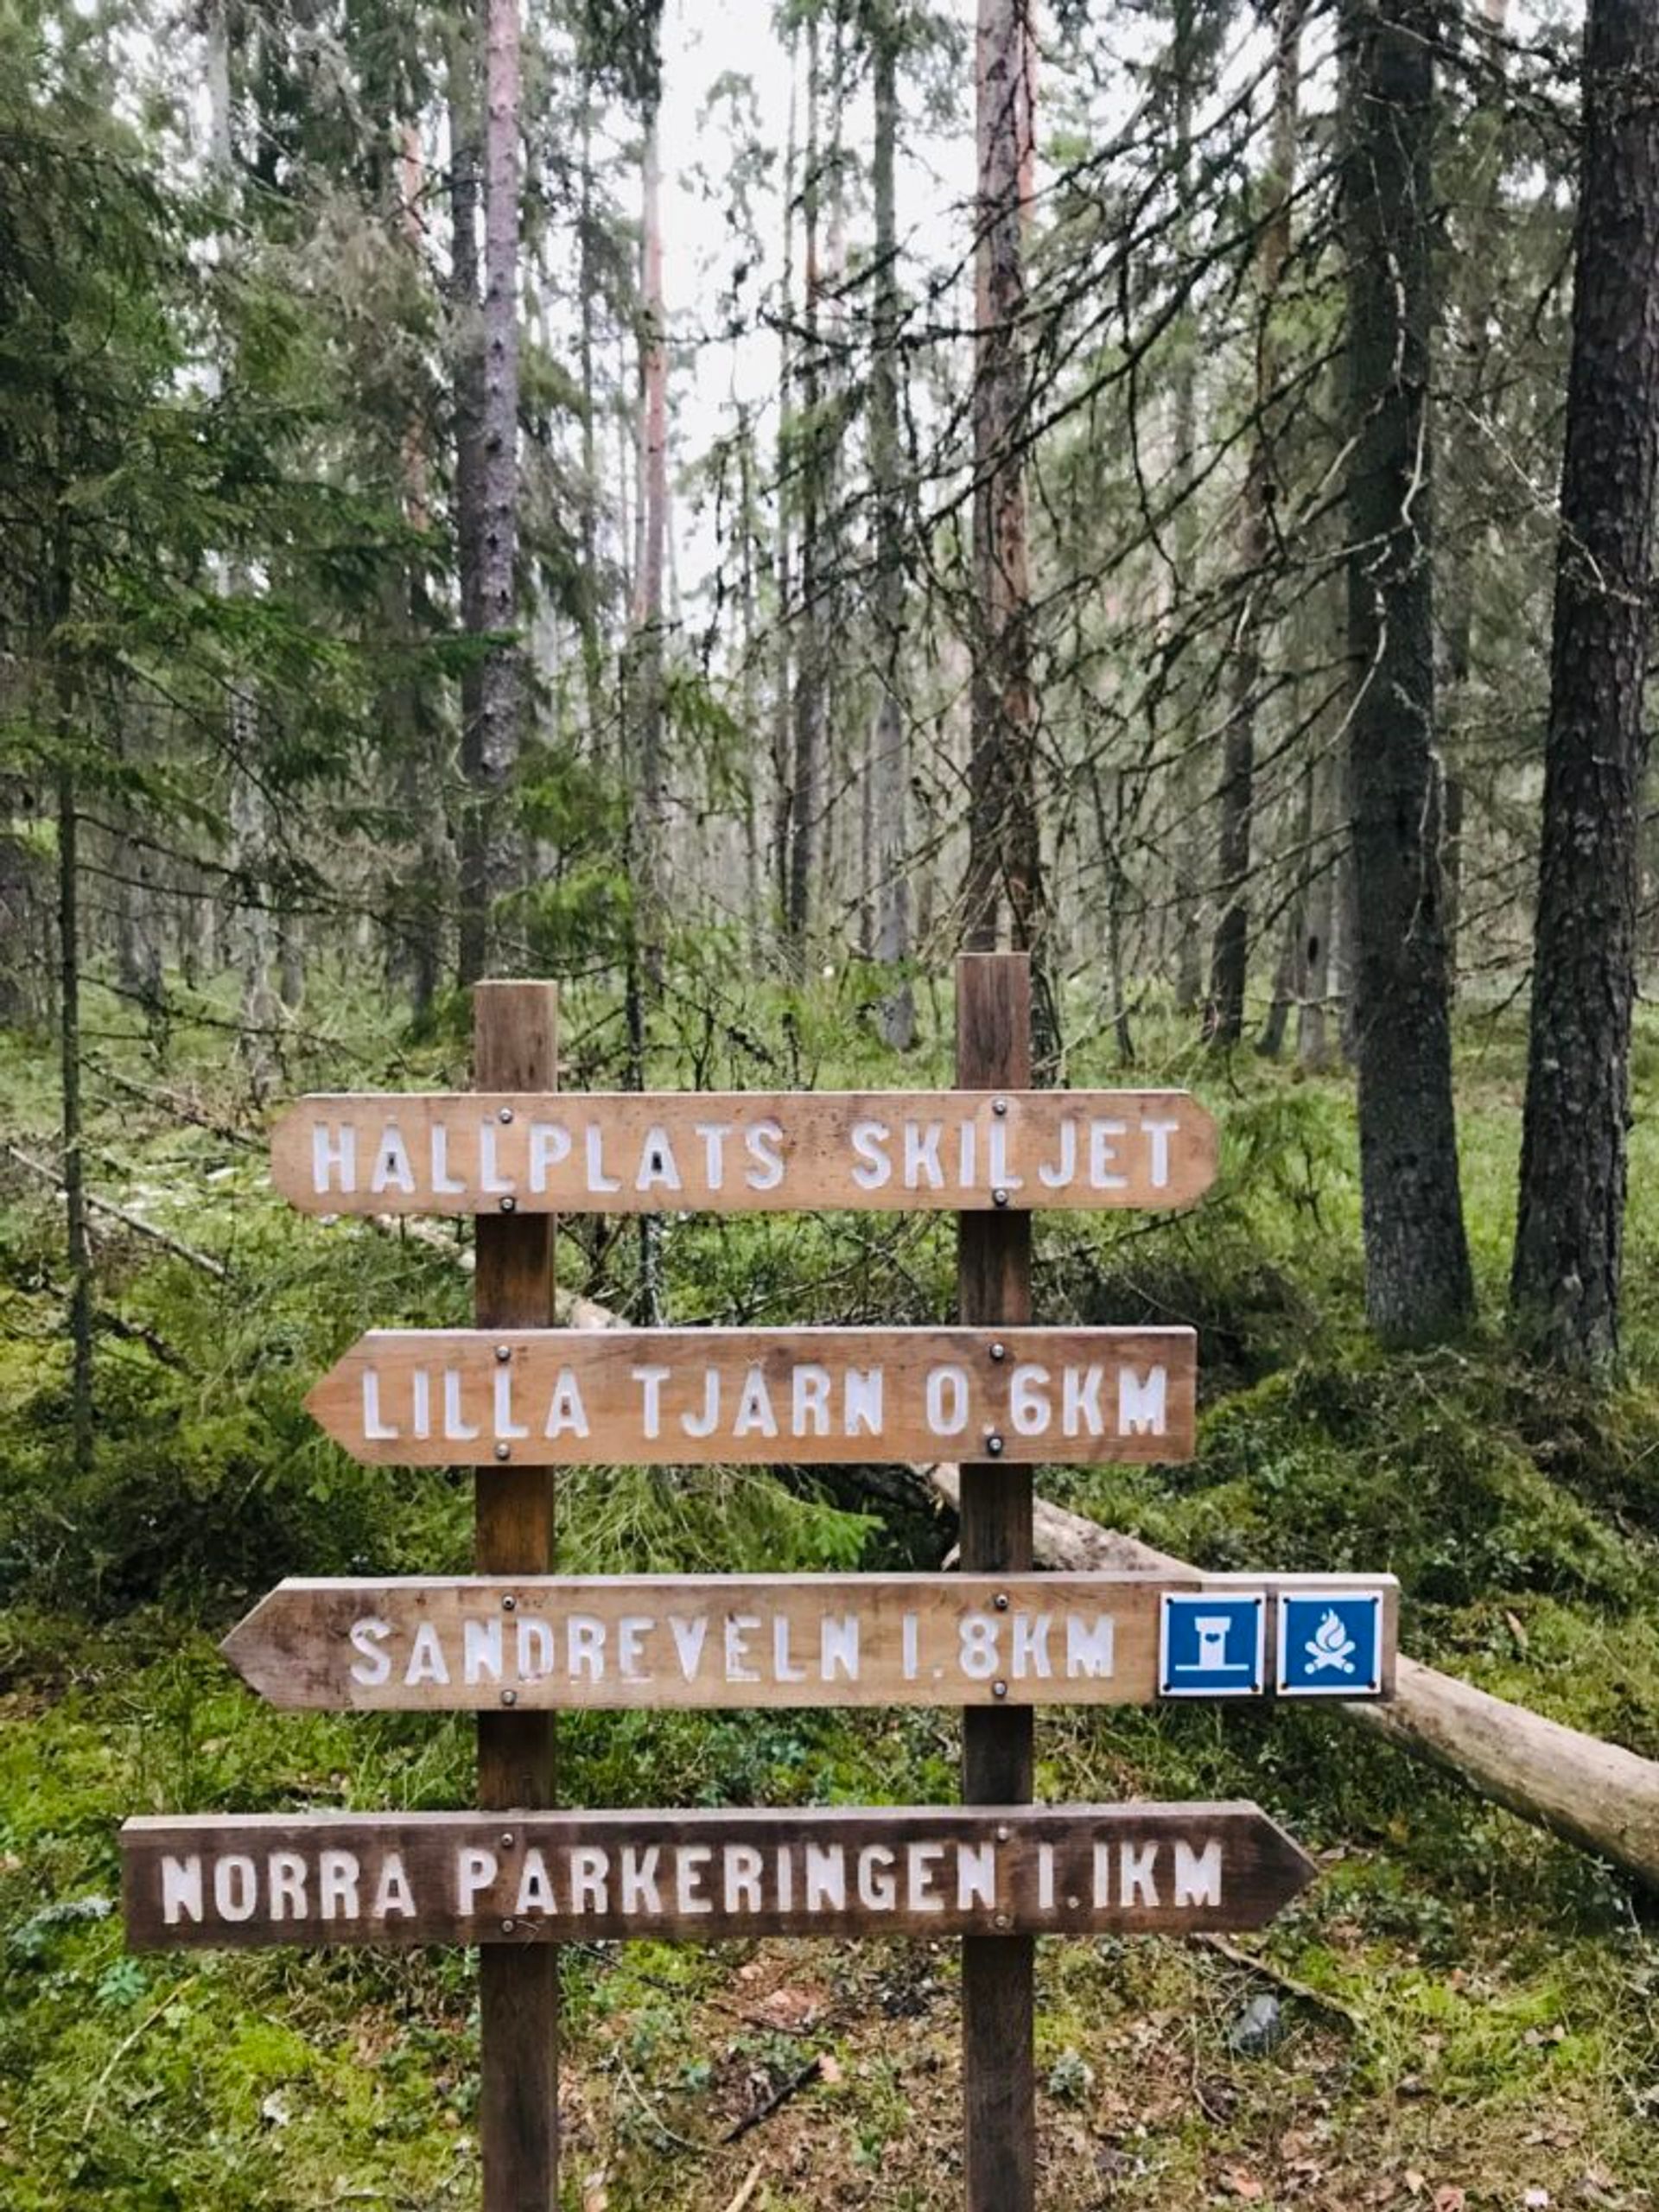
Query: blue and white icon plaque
[
  {"x": 1212, "y": 1645},
  {"x": 1330, "y": 1643}
]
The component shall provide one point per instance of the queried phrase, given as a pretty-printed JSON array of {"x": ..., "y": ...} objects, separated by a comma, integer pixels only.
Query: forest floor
[{"x": 1470, "y": 2013}]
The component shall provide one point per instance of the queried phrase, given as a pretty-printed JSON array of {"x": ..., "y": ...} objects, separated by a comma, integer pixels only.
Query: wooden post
[
  {"x": 515, "y": 1047},
  {"x": 993, "y": 1284}
]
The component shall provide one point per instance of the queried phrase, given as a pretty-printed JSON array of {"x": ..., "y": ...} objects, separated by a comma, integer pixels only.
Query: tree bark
[
  {"x": 890, "y": 744},
  {"x": 466, "y": 369},
  {"x": 1004, "y": 838},
  {"x": 647, "y": 656},
  {"x": 1229, "y": 959},
  {"x": 810, "y": 692},
  {"x": 1417, "y": 1277},
  {"x": 501, "y": 690},
  {"x": 1569, "y": 1235},
  {"x": 77, "y": 1245}
]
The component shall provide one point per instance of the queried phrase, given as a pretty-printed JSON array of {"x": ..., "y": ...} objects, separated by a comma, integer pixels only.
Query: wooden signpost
[
  {"x": 743, "y": 1151},
  {"x": 700, "y": 1642},
  {"x": 637, "y": 1397},
  {"x": 516, "y": 1642},
  {"x": 530, "y": 1880}
]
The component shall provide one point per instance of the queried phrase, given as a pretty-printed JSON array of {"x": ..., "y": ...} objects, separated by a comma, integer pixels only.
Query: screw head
[
  {"x": 503, "y": 1451},
  {"x": 999, "y": 1689},
  {"x": 999, "y": 1197},
  {"x": 994, "y": 1444},
  {"x": 504, "y": 1115},
  {"x": 999, "y": 1351},
  {"x": 1072, "y": 1904},
  {"x": 509, "y": 1605},
  {"x": 506, "y": 1841},
  {"x": 509, "y": 1697},
  {"x": 998, "y": 1107},
  {"x": 1003, "y": 1832},
  {"x": 503, "y": 1352},
  {"x": 509, "y": 1205},
  {"x": 1001, "y": 1601},
  {"x": 507, "y": 1927},
  {"x": 1000, "y": 1920}
]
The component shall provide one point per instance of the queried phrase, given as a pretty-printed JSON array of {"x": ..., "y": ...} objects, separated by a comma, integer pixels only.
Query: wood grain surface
[
  {"x": 742, "y": 1152},
  {"x": 526, "y": 1879},
  {"x": 628, "y": 1397}
]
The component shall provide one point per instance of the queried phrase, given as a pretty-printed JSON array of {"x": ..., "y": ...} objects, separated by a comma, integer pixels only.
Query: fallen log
[{"x": 1594, "y": 1795}]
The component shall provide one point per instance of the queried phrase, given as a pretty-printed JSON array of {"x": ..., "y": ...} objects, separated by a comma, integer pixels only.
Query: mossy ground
[{"x": 1491, "y": 2017}]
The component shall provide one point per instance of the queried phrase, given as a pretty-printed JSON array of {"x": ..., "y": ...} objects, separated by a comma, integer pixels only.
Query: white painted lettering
[
  {"x": 1028, "y": 1404},
  {"x": 1140, "y": 1402},
  {"x": 236, "y": 1887},
  {"x": 650, "y": 1381},
  {"x": 873, "y": 1170},
  {"x": 947, "y": 1400},
  {"x": 689, "y": 1861},
  {"x": 332, "y": 1156},
  {"x": 1089, "y": 1647},
  {"x": 1102, "y": 1152},
  {"x": 764, "y": 1145},
  {"x": 373, "y": 1666},
  {"x": 1197, "y": 1873},
  {"x": 754, "y": 1414},
  {"x": 391, "y": 1167},
  {"x": 550, "y": 1147},
  {"x": 598, "y": 1179}
]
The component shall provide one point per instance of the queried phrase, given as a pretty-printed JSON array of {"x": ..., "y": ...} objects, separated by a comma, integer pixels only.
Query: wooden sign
[
  {"x": 463, "y": 1877},
  {"x": 632, "y": 1397},
  {"x": 741, "y": 1151},
  {"x": 474, "y": 1643}
]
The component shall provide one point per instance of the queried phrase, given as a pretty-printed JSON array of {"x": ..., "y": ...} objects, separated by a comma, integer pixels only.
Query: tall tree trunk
[
  {"x": 783, "y": 706},
  {"x": 500, "y": 697},
  {"x": 1191, "y": 764},
  {"x": 1312, "y": 1045},
  {"x": 1569, "y": 1235},
  {"x": 889, "y": 781},
  {"x": 1229, "y": 959},
  {"x": 647, "y": 650},
  {"x": 78, "y": 1251},
  {"x": 1417, "y": 1276},
  {"x": 467, "y": 368},
  {"x": 1004, "y": 841},
  {"x": 252, "y": 919},
  {"x": 811, "y": 689}
]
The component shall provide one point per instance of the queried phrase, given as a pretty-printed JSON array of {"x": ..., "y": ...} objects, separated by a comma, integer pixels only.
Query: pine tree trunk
[
  {"x": 1569, "y": 1235},
  {"x": 783, "y": 705},
  {"x": 1004, "y": 838},
  {"x": 1417, "y": 1276},
  {"x": 467, "y": 368},
  {"x": 810, "y": 697},
  {"x": 79, "y": 1250},
  {"x": 647, "y": 668},
  {"x": 889, "y": 781},
  {"x": 1191, "y": 771},
  {"x": 501, "y": 690},
  {"x": 1230, "y": 960}
]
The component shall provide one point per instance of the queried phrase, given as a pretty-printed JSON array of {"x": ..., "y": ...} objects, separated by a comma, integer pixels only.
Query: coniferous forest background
[{"x": 726, "y": 506}]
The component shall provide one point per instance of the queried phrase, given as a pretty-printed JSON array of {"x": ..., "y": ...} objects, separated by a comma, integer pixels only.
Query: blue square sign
[
  {"x": 1212, "y": 1645},
  {"x": 1330, "y": 1643}
]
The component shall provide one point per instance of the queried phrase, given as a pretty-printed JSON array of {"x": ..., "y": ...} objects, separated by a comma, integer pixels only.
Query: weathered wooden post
[
  {"x": 515, "y": 1047},
  {"x": 994, "y": 1285}
]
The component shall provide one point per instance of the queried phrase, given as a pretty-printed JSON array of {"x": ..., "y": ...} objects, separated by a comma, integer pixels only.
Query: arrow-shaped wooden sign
[
  {"x": 463, "y": 1877},
  {"x": 630, "y": 1397},
  {"x": 741, "y": 1151},
  {"x": 477, "y": 1643}
]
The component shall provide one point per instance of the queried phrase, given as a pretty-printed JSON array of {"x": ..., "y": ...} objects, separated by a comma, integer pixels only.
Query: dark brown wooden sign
[
  {"x": 463, "y": 1877},
  {"x": 741, "y": 1151},
  {"x": 632, "y": 1397},
  {"x": 473, "y": 1643}
]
